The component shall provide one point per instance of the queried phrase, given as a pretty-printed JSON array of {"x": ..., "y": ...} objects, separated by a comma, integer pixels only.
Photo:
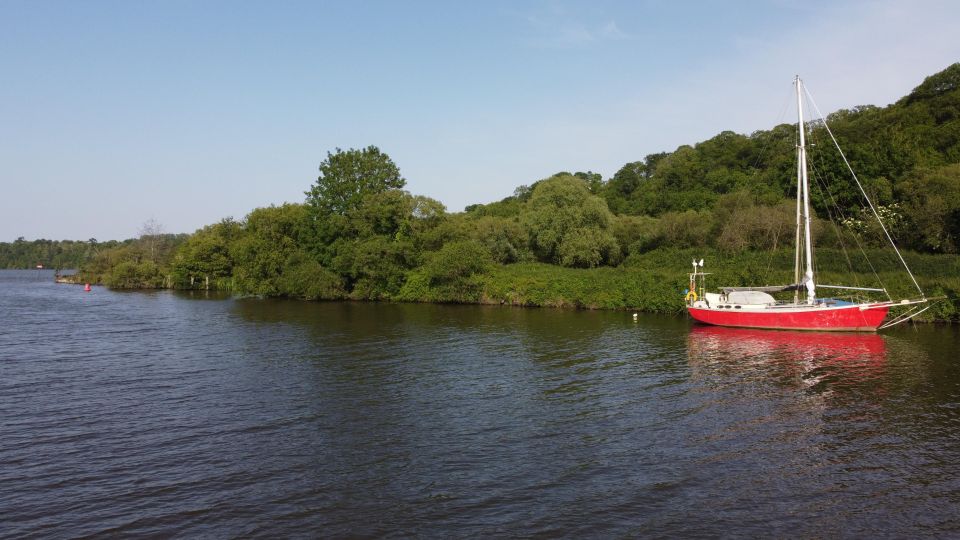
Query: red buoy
[{"x": 86, "y": 287}]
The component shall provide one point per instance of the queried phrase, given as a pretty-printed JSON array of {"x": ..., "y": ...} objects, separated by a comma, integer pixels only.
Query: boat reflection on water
[{"x": 834, "y": 358}]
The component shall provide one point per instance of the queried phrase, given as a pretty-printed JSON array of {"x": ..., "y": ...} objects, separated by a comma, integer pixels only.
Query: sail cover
[{"x": 750, "y": 297}]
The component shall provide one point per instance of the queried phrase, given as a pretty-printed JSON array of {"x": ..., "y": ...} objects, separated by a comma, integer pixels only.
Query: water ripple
[{"x": 159, "y": 414}]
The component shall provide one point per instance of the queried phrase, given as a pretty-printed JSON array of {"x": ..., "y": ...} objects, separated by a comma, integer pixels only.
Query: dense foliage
[
  {"x": 140, "y": 263},
  {"x": 50, "y": 253},
  {"x": 577, "y": 240}
]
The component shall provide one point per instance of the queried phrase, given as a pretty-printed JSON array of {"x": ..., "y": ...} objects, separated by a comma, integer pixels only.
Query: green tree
[
  {"x": 620, "y": 188},
  {"x": 206, "y": 254},
  {"x": 132, "y": 275},
  {"x": 272, "y": 235},
  {"x": 934, "y": 86},
  {"x": 634, "y": 234},
  {"x": 683, "y": 229},
  {"x": 454, "y": 273},
  {"x": 375, "y": 267},
  {"x": 559, "y": 206},
  {"x": 594, "y": 180},
  {"x": 739, "y": 223},
  {"x": 347, "y": 176},
  {"x": 386, "y": 213},
  {"x": 304, "y": 278},
  {"x": 587, "y": 247},
  {"x": 931, "y": 201},
  {"x": 504, "y": 238}
]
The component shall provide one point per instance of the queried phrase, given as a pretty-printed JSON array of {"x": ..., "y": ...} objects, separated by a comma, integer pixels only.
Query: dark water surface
[{"x": 158, "y": 413}]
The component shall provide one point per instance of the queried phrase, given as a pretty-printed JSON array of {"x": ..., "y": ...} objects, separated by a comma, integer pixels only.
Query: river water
[{"x": 161, "y": 413}]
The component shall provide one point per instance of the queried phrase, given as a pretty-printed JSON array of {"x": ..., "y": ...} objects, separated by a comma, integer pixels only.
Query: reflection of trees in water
[
  {"x": 397, "y": 386},
  {"x": 566, "y": 349},
  {"x": 202, "y": 295},
  {"x": 418, "y": 372}
]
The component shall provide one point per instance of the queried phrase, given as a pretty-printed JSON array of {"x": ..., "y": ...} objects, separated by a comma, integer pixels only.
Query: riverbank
[
  {"x": 72, "y": 279},
  {"x": 654, "y": 282},
  {"x": 661, "y": 291}
]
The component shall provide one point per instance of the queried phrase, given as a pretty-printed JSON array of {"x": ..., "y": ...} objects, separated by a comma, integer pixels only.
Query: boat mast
[
  {"x": 798, "y": 243},
  {"x": 805, "y": 188}
]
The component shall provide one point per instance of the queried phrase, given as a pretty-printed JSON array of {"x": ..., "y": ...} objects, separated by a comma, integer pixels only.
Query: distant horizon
[{"x": 119, "y": 113}]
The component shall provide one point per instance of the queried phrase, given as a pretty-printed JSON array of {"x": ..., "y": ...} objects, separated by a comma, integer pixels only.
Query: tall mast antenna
[{"x": 804, "y": 186}]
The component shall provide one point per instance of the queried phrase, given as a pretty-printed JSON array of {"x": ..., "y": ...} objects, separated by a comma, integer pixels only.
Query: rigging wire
[
  {"x": 823, "y": 185},
  {"x": 860, "y": 186},
  {"x": 822, "y": 189}
]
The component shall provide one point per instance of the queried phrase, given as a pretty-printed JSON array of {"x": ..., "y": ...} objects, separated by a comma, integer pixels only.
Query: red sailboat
[{"x": 755, "y": 307}]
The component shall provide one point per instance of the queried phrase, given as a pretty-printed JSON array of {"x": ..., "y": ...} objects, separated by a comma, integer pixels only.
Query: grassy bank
[{"x": 655, "y": 282}]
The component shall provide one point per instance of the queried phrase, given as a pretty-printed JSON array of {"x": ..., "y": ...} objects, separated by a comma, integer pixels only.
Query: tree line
[
  {"x": 358, "y": 234},
  {"x": 22, "y": 253}
]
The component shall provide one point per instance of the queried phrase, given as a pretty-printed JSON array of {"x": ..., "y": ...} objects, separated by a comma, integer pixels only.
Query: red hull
[{"x": 843, "y": 318}]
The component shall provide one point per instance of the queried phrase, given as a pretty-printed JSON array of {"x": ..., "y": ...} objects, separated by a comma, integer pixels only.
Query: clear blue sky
[{"x": 186, "y": 112}]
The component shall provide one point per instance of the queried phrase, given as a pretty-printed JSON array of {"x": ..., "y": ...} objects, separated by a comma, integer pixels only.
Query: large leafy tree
[
  {"x": 454, "y": 273},
  {"x": 347, "y": 176},
  {"x": 619, "y": 189},
  {"x": 272, "y": 236},
  {"x": 932, "y": 206},
  {"x": 567, "y": 225},
  {"x": 206, "y": 253}
]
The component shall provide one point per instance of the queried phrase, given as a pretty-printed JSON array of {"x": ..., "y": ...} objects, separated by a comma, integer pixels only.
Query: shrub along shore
[{"x": 654, "y": 282}]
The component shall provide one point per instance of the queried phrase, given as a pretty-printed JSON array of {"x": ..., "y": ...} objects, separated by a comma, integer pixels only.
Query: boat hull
[{"x": 852, "y": 318}]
